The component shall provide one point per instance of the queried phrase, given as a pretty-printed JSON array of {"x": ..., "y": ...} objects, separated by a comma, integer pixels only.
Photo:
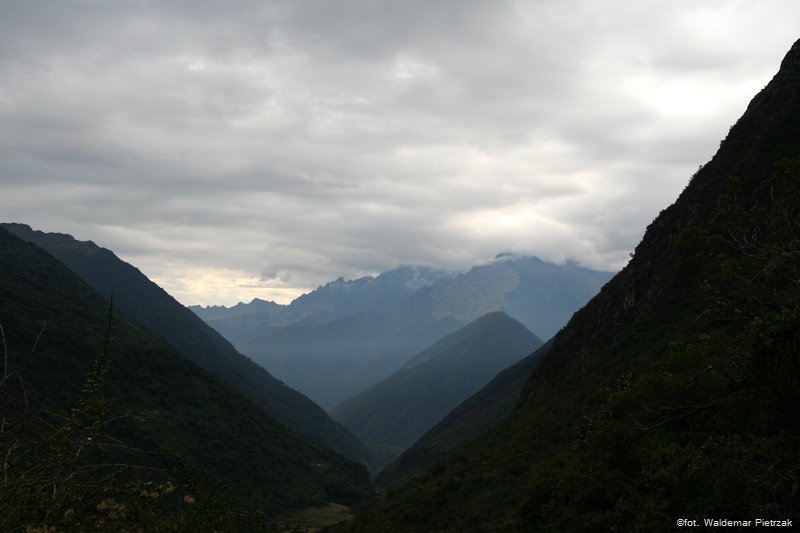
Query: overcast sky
[{"x": 245, "y": 149}]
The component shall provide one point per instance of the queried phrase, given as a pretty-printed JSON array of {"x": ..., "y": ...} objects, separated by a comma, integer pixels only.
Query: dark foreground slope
[
  {"x": 399, "y": 409},
  {"x": 149, "y": 305},
  {"x": 674, "y": 392},
  {"x": 151, "y": 398},
  {"x": 487, "y": 407}
]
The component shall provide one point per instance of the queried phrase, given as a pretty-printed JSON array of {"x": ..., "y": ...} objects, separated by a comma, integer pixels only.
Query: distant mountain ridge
[
  {"x": 503, "y": 284},
  {"x": 399, "y": 409},
  {"x": 347, "y": 335},
  {"x": 151, "y": 306},
  {"x": 335, "y": 300},
  {"x": 256, "y": 306}
]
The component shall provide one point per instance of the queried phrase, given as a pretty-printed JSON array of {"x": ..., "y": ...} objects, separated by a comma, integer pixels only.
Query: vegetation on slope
[
  {"x": 149, "y": 305},
  {"x": 673, "y": 393},
  {"x": 153, "y": 399}
]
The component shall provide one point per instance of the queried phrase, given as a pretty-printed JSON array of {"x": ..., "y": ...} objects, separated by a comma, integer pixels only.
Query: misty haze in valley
[{"x": 409, "y": 267}]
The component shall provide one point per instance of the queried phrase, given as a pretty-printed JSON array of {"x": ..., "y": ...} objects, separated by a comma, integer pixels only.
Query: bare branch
[
  {"x": 39, "y": 336},
  {"x": 5, "y": 352}
]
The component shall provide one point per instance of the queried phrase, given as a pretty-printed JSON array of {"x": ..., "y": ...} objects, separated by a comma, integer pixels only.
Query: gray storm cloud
[{"x": 262, "y": 148}]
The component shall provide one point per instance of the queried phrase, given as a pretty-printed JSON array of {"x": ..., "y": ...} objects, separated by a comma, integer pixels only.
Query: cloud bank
[{"x": 262, "y": 148}]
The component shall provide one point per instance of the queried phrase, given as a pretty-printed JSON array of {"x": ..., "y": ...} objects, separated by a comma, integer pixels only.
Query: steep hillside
[
  {"x": 473, "y": 416},
  {"x": 399, "y": 409},
  {"x": 149, "y": 305},
  {"x": 153, "y": 406},
  {"x": 674, "y": 392}
]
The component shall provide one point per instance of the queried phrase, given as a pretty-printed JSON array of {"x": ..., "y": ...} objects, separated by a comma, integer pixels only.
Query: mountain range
[
  {"x": 334, "y": 300},
  {"x": 338, "y": 340}
]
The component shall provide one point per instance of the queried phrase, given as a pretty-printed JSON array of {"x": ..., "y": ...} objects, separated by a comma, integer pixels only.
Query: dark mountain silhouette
[
  {"x": 149, "y": 305},
  {"x": 674, "y": 392},
  {"x": 399, "y": 409},
  {"x": 154, "y": 406}
]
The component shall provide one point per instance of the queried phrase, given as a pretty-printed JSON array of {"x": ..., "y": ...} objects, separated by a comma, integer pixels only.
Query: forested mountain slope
[
  {"x": 149, "y": 305},
  {"x": 138, "y": 411},
  {"x": 674, "y": 392}
]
